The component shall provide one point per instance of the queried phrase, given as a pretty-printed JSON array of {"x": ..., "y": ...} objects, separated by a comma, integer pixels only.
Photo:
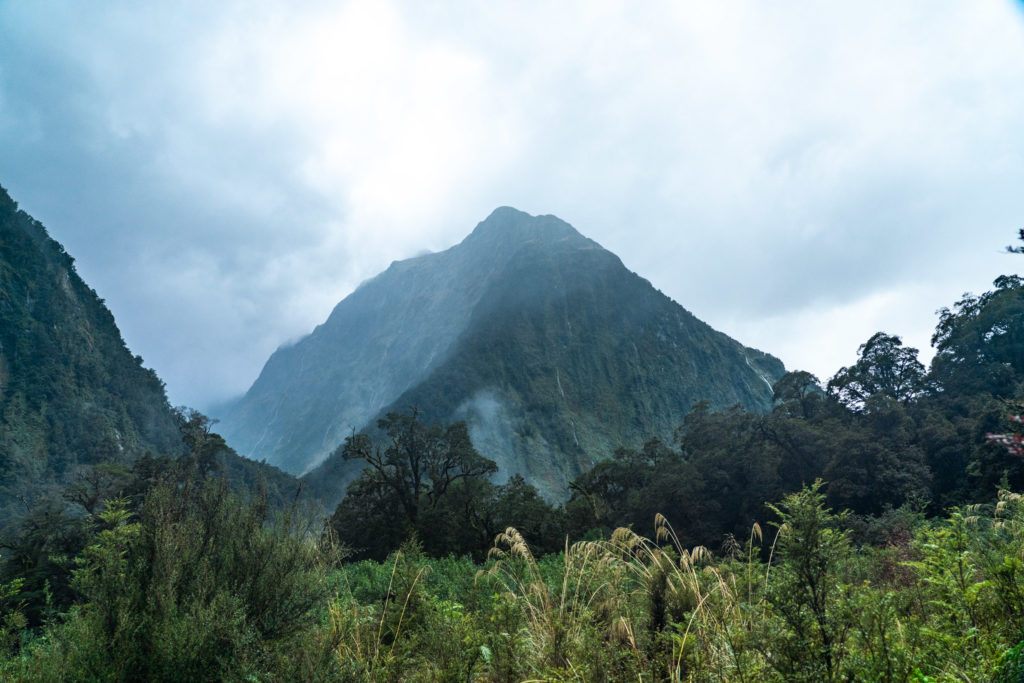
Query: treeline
[
  {"x": 41, "y": 551},
  {"x": 181, "y": 581},
  {"x": 885, "y": 434},
  {"x": 797, "y": 600},
  {"x": 198, "y": 584}
]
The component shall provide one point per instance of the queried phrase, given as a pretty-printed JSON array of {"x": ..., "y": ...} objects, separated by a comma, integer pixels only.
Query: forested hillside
[
  {"x": 71, "y": 393},
  {"x": 72, "y": 396},
  {"x": 82, "y": 421}
]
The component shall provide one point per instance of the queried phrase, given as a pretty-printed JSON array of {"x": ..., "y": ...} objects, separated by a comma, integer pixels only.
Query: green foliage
[
  {"x": 979, "y": 343},
  {"x": 727, "y": 464},
  {"x": 71, "y": 393},
  {"x": 807, "y": 593},
  {"x": 12, "y": 619},
  {"x": 42, "y": 544},
  {"x": 197, "y": 586},
  {"x": 1011, "y": 667},
  {"x": 408, "y": 619},
  {"x": 885, "y": 368},
  {"x": 428, "y": 482},
  {"x": 200, "y": 586},
  {"x": 931, "y": 607}
]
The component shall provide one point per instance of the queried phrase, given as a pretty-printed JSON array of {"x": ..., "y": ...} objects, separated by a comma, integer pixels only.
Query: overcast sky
[{"x": 800, "y": 175}]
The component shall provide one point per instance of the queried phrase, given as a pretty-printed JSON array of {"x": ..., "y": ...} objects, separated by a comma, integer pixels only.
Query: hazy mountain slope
[
  {"x": 568, "y": 355},
  {"x": 71, "y": 393},
  {"x": 379, "y": 342},
  {"x": 543, "y": 341}
]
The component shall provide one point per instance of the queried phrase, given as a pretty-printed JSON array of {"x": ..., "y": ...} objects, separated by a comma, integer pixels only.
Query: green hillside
[{"x": 72, "y": 395}]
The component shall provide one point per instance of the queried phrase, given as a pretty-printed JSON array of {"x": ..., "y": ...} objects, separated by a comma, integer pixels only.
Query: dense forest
[{"x": 870, "y": 527}]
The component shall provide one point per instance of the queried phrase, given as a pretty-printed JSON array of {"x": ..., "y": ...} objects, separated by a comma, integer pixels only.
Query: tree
[
  {"x": 202, "y": 445},
  {"x": 631, "y": 488},
  {"x": 413, "y": 472},
  {"x": 979, "y": 343},
  {"x": 873, "y": 460},
  {"x": 1017, "y": 250},
  {"x": 806, "y": 591},
  {"x": 98, "y": 483},
  {"x": 798, "y": 394},
  {"x": 885, "y": 367}
]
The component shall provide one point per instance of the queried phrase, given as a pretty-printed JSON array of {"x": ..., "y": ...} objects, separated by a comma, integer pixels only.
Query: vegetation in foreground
[{"x": 195, "y": 585}]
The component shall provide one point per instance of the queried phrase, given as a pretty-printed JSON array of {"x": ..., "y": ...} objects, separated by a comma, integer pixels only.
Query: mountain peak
[
  {"x": 552, "y": 351},
  {"x": 504, "y": 213},
  {"x": 507, "y": 226}
]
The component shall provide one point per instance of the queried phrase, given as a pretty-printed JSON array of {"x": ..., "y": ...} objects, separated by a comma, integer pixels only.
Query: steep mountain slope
[
  {"x": 543, "y": 341},
  {"x": 377, "y": 343},
  {"x": 71, "y": 393}
]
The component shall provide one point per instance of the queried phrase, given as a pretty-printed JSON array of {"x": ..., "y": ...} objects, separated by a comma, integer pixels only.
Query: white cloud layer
[{"x": 798, "y": 175}]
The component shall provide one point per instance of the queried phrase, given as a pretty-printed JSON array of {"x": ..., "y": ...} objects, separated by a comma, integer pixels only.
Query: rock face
[{"x": 553, "y": 352}]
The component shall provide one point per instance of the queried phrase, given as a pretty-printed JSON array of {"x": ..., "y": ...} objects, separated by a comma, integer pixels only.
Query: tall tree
[
  {"x": 412, "y": 472},
  {"x": 979, "y": 343},
  {"x": 419, "y": 462},
  {"x": 885, "y": 367},
  {"x": 798, "y": 394}
]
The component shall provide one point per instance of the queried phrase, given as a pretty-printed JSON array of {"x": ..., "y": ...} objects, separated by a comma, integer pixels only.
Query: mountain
[
  {"x": 553, "y": 352},
  {"x": 71, "y": 393}
]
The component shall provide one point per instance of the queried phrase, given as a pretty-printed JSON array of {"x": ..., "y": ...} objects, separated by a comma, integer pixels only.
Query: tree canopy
[
  {"x": 885, "y": 367},
  {"x": 428, "y": 481}
]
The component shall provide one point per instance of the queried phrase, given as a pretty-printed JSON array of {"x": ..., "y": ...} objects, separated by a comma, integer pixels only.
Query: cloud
[{"x": 224, "y": 173}]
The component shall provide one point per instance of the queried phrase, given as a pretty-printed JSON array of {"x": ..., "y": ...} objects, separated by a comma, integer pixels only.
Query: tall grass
[{"x": 946, "y": 605}]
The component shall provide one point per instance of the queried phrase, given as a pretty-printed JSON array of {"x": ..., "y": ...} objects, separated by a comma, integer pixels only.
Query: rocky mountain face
[{"x": 553, "y": 352}]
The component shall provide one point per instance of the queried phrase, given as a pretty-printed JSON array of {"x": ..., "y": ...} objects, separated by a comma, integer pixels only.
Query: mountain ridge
[
  {"x": 442, "y": 331},
  {"x": 582, "y": 374},
  {"x": 446, "y": 320}
]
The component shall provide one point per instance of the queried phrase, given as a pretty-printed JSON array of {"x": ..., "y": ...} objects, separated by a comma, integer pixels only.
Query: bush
[{"x": 199, "y": 586}]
